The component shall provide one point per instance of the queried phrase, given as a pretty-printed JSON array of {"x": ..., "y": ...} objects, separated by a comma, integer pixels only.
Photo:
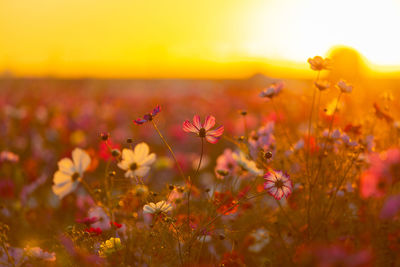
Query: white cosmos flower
[
  {"x": 137, "y": 162},
  {"x": 159, "y": 207},
  {"x": 245, "y": 163},
  {"x": 69, "y": 172}
]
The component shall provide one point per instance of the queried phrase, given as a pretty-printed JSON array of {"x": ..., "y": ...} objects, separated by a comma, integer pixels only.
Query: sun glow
[{"x": 178, "y": 38}]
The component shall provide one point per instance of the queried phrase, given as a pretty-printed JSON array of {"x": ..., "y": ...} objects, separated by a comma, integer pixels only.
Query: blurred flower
[
  {"x": 273, "y": 90},
  {"x": 105, "y": 149},
  {"x": 245, "y": 163},
  {"x": 148, "y": 117},
  {"x": 110, "y": 246},
  {"x": 7, "y": 156},
  {"x": 95, "y": 231},
  {"x": 159, "y": 207},
  {"x": 225, "y": 203},
  {"x": 69, "y": 172},
  {"x": 318, "y": 63},
  {"x": 381, "y": 175},
  {"x": 391, "y": 207},
  {"x": 278, "y": 184},
  {"x": 260, "y": 240},
  {"x": 226, "y": 164},
  {"x": 137, "y": 162},
  {"x": 103, "y": 221},
  {"x": 322, "y": 85},
  {"x": 262, "y": 139},
  {"x": 344, "y": 87},
  {"x": 204, "y": 130},
  {"x": 38, "y": 253}
]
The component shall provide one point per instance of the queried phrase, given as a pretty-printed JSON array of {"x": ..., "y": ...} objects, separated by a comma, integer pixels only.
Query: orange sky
[{"x": 184, "y": 38}]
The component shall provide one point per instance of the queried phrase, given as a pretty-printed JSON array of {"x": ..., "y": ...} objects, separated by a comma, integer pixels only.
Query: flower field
[{"x": 257, "y": 172}]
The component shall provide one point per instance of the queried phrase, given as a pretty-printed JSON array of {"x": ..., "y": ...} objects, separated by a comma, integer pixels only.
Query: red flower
[
  {"x": 204, "y": 130},
  {"x": 278, "y": 184},
  {"x": 225, "y": 202},
  {"x": 95, "y": 231},
  {"x": 115, "y": 224},
  {"x": 148, "y": 117}
]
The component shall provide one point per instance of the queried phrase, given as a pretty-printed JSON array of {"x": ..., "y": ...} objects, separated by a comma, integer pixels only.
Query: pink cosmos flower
[
  {"x": 204, "y": 130},
  {"x": 278, "y": 184},
  {"x": 148, "y": 117},
  {"x": 382, "y": 174},
  {"x": 226, "y": 164}
]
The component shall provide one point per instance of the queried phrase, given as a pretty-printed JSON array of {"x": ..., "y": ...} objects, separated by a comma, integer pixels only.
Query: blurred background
[{"x": 225, "y": 39}]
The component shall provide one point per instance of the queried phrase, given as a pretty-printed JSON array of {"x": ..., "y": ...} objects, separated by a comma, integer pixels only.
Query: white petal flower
[
  {"x": 69, "y": 172},
  {"x": 245, "y": 163},
  {"x": 159, "y": 207},
  {"x": 137, "y": 162}
]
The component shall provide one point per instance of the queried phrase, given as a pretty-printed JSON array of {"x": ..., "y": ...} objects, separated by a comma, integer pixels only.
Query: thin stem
[
  {"x": 170, "y": 150},
  {"x": 10, "y": 259},
  {"x": 190, "y": 191}
]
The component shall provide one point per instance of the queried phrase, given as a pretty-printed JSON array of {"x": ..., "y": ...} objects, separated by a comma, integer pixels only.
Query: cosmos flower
[
  {"x": 137, "y": 162},
  {"x": 159, "y": 207},
  {"x": 273, "y": 90},
  {"x": 322, "y": 85},
  {"x": 204, "y": 130},
  {"x": 344, "y": 87},
  {"x": 245, "y": 163},
  {"x": 278, "y": 184},
  {"x": 69, "y": 172},
  {"x": 148, "y": 117},
  {"x": 226, "y": 164},
  {"x": 318, "y": 63}
]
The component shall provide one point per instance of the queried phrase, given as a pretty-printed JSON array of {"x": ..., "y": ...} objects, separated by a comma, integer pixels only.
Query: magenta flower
[
  {"x": 278, "y": 184},
  {"x": 148, "y": 117},
  {"x": 204, "y": 130}
]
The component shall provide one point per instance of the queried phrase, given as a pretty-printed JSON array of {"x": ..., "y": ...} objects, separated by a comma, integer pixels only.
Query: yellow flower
[{"x": 110, "y": 246}]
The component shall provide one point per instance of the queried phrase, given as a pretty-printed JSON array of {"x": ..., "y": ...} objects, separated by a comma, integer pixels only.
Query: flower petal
[
  {"x": 148, "y": 160},
  {"x": 128, "y": 156},
  {"x": 196, "y": 122},
  {"x": 141, "y": 171},
  {"x": 66, "y": 166},
  {"x": 212, "y": 139},
  {"x": 81, "y": 160},
  {"x": 61, "y": 178},
  {"x": 217, "y": 132},
  {"x": 141, "y": 152},
  {"x": 209, "y": 123},
  {"x": 189, "y": 127}
]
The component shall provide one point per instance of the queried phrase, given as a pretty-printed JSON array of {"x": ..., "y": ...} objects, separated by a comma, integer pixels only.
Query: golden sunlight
[{"x": 207, "y": 39}]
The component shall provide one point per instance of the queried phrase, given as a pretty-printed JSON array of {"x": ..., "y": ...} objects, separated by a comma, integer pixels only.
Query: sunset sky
[{"x": 190, "y": 39}]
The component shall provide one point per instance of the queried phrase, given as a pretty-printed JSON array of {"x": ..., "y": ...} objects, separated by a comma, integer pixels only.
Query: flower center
[
  {"x": 75, "y": 176},
  {"x": 202, "y": 132},
  {"x": 133, "y": 166},
  {"x": 279, "y": 184}
]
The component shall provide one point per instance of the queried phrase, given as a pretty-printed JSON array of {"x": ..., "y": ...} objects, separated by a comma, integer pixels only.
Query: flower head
[
  {"x": 322, "y": 85},
  {"x": 69, "y": 172},
  {"x": 273, "y": 90},
  {"x": 204, "y": 130},
  {"x": 159, "y": 207},
  {"x": 110, "y": 246},
  {"x": 344, "y": 87},
  {"x": 278, "y": 184},
  {"x": 38, "y": 253},
  {"x": 149, "y": 116},
  {"x": 245, "y": 163},
  {"x": 318, "y": 63},
  {"x": 137, "y": 162}
]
